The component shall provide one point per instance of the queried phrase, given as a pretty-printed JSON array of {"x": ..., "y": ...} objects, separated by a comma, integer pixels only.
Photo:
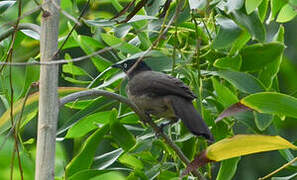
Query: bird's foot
[{"x": 147, "y": 119}]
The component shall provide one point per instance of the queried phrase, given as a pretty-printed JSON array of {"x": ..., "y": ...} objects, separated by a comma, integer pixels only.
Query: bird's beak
[{"x": 116, "y": 66}]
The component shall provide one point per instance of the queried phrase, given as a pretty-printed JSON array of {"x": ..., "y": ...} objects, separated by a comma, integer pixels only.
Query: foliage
[{"x": 228, "y": 52}]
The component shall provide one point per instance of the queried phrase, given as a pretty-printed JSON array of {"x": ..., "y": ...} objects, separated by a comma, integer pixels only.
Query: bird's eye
[{"x": 125, "y": 65}]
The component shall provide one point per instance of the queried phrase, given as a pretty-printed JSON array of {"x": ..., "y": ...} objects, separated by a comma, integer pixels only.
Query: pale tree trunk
[{"x": 48, "y": 98}]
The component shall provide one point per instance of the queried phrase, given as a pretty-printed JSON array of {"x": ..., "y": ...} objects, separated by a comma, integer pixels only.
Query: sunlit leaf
[
  {"x": 73, "y": 69},
  {"x": 275, "y": 5},
  {"x": 272, "y": 103},
  {"x": 125, "y": 47},
  {"x": 87, "y": 124},
  {"x": 105, "y": 160},
  {"x": 132, "y": 161},
  {"x": 240, "y": 145},
  {"x": 287, "y": 13},
  {"x": 251, "y": 5}
]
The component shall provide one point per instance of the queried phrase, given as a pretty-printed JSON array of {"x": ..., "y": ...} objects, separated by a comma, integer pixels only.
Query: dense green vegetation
[{"x": 238, "y": 57}]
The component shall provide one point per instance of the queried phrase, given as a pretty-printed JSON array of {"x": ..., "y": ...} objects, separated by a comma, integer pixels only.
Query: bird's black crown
[{"x": 126, "y": 65}]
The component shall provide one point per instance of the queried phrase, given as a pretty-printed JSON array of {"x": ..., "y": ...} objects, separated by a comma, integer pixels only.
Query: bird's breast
[{"x": 149, "y": 103}]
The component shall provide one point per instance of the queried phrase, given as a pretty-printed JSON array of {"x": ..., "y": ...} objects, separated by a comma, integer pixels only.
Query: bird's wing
[{"x": 159, "y": 84}]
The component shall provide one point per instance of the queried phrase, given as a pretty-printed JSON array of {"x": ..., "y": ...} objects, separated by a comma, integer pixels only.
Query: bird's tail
[{"x": 185, "y": 110}]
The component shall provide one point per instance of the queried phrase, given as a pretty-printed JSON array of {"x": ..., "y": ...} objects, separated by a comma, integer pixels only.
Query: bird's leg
[
  {"x": 163, "y": 125},
  {"x": 147, "y": 118}
]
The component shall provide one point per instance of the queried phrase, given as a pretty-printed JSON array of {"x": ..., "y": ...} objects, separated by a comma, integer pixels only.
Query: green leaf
[
  {"x": 31, "y": 75},
  {"x": 87, "y": 174},
  {"x": 73, "y": 69},
  {"x": 251, "y": 5},
  {"x": 90, "y": 45},
  {"x": 272, "y": 103},
  {"x": 262, "y": 120},
  {"x": 269, "y": 72},
  {"x": 124, "y": 47},
  {"x": 262, "y": 10},
  {"x": 275, "y": 5},
  {"x": 285, "y": 178},
  {"x": 98, "y": 104},
  {"x": 256, "y": 56},
  {"x": 143, "y": 36},
  {"x": 87, "y": 124},
  {"x": 111, "y": 80},
  {"x": 31, "y": 105},
  {"x": 242, "y": 81},
  {"x": 288, "y": 156},
  {"x": 110, "y": 176},
  {"x": 240, "y": 145},
  {"x": 228, "y": 168},
  {"x": 240, "y": 42},
  {"x": 229, "y": 63},
  {"x": 228, "y": 33},
  {"x": 198, "y": 4},
  {"x": 31, "y": 34},
  {"x": 287, "y": 13},
  {"x": 75, "y": 81},
  {"x": 83, "y": 160},
  {"x": 231, "y": 5},
  {"x": 4, "y": 5},
  {"x": 105, "y": 160},
  {"x": 224, "y": 95},
  {"x": 121, "y": 135},
  {"x": 131, "y": 161},
  {"x": 252, "y": 23}
]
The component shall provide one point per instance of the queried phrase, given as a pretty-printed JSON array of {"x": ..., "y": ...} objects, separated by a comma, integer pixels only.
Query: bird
[{"x": 164, "y": 96}]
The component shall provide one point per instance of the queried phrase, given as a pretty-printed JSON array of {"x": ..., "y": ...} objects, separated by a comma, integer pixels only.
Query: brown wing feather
[{"x": 155, "y": 83}]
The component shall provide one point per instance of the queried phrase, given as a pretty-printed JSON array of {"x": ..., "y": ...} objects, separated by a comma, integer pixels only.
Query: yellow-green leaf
[
  {"x": 272, "y": 103},
  {"x": 240, "y": 145},
  {"x": 32, "y": 104}
]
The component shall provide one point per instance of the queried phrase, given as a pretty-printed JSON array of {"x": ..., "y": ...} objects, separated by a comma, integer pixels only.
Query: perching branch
[{"x": 143, "y": 117}]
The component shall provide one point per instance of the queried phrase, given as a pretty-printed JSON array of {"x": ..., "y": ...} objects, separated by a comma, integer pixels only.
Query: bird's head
[{"x": 126, "y": 65}]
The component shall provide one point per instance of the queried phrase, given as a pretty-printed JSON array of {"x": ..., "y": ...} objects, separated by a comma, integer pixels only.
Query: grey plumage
[{"x": 163, "y": 96}]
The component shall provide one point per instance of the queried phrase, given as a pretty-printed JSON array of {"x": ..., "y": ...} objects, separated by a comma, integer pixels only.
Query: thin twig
[
  {"x": 162, "y": 33},
  {"x": 143, "y": 117},
  {"x": 198, "y": 63},
  {"x": 74, "y": 27},
  {"x": 13, "y": 127},
  {"x": 9, "y": 58},
  {"x": 66, "y": 14},
  {"x": 61, "y": 61},
  {"x": 208, "y": 33},
  {"x": 279, "y": 169},
  {"x": 11, "y": 23}
]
